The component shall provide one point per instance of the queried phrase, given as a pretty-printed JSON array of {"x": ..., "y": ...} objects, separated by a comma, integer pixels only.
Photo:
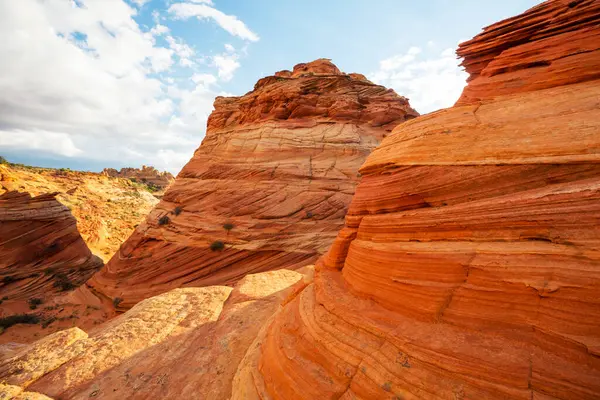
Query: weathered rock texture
[
  {"x": 469, "y": 266},
  {"x": 41, "y": 251},
  {"x": 147, "y": 174},
  {"x": 107, "y": 209},
  {"x": 278, "y": 164},
  {"x": 187, "y": 343}
]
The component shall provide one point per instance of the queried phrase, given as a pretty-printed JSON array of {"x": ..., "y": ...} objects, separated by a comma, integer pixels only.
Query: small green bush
[
  {"x": 117, "y": 301},
  {"x": 217, "y": 245},
  {"x": 49, "y": 271},
  {"x": 34, "y": 302},
  {"x": 8, "y": 279},
  {"x": 163, "y": 220},
  {"x": 11, "y": 320},
  {"x": 177, "y": 210},
  {"x": 228, "y": 226},
  {"x": 3, "y": 160},
  {"x": 63, "y": 282}
]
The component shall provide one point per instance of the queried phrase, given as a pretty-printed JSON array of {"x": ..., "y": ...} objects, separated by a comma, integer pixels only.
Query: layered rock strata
[
  {"x": 469, "y": 266},
  {"x": 267, "y": 189},
  {"x": 41, "y": 251},
  {"x": 147, "y": 174},
  {"x": 187, "y": 343}
]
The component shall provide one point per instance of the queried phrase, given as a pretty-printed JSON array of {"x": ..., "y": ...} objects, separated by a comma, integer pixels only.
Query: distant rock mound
[
  {"x": 41, "y": 251},
  {"x": 267, "y": 189},
  {"x": 147, "y": 174}
]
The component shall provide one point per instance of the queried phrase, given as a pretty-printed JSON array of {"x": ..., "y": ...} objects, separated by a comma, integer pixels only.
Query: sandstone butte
[
  {"x": 469, "y": 265},
  {"x": 147, "y": 174},
  {"x": 107, "y": 209},
  {"x": 267, "y": 189}
]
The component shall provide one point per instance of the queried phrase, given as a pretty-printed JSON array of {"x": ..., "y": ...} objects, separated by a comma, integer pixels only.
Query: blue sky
[{"x": 88, "y": 84}]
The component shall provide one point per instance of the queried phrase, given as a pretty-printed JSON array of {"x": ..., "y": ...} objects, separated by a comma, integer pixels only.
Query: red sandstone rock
[
  {"x": 278, "y": 164},
  {"x": 554, "y": 44},
  {"x": 149, "y": 175},
  {"x": 188, "y": 343},
  {"x": 41, "y": 251},
  {"x": 469, "y": 264},
  {"x": 469, "y": 272}
]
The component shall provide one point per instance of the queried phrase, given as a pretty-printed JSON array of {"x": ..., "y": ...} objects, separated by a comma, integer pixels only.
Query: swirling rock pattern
[
  {"x": 268, "y": 187},
  {"x": 187, "y": 343},
  {"x": 41, "y": 249},
  {"x": 469, "y": 266}
]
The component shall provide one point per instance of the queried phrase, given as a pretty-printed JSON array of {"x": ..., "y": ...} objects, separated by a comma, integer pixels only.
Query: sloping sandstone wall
[{"x": 267, "y": 189}]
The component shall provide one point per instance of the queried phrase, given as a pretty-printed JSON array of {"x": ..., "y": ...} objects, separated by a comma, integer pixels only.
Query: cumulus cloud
[
  {"x": 230, "y": 23},
  {"x": 226, "y": 63},
  {"x": 431, "y": 80},
  {"x": 182, "y": 50},
  {"x": 84, "y": 80}
]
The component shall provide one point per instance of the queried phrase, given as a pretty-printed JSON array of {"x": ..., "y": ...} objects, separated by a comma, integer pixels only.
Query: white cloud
[
  {"x": 182, "y": 50},
  {"x": 140, "y": 2},
  {"x": 83, "y": 80},
  {"x": 226, "y": 65},
  {"x": 53, "y": 142},
  {"x": 430, "y": 82},
  {"x": 230, "y": 23},
  {"x": 159, "y": 30}
]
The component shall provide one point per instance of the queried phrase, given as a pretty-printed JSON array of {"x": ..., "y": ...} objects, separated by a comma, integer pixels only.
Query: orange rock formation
[
  {"x": 41, "y": 251},
  {"x": 469, "y": 266},
  {"x": 187, "y": 343},
  {"x": 267, "y": 189},
  {"x": 147, "y": 174},
  {"x": 107, "y": 209}
]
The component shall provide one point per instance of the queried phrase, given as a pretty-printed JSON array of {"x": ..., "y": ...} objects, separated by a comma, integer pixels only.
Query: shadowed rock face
[
  {"x": 268, "y": 188},
  {"x": 41, "y": 251},
  {"x": 469, "y": 266}
]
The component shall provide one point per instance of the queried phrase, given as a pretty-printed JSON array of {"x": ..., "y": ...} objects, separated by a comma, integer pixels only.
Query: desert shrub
[
  {"x": 217, "y": 245},
  {"x": 48, "y": 321},
  {"x": 11, "y": 320},
  {"x": 49, "y": 271},
  {"x": 177, "y": 210},
  {"x": 34, "y": 302},
  {"x": 63, "y": 282},
  {"x": 163, "y": 220},
  {"x": 3, "y": 160},
  {"x": 228, "y": 226},
  {"x": 5, "y": 298},
  {"x": 309, "y": 214},
  {"x": 9, "y": 279},
  {"x": 117, "y": 301}
]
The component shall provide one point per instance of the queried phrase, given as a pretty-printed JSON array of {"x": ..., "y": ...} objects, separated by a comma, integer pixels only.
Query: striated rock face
[
  {"x": 267, "y": 189},
  {"x": 41, "y": 251},
  {"x": 469, "y": 266},
  {"x": 553, "y": 44},
  {"x": 147, "y": 174},
  {"x": 188, "y": 343},
  {"x": 107, "y": 209}
]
